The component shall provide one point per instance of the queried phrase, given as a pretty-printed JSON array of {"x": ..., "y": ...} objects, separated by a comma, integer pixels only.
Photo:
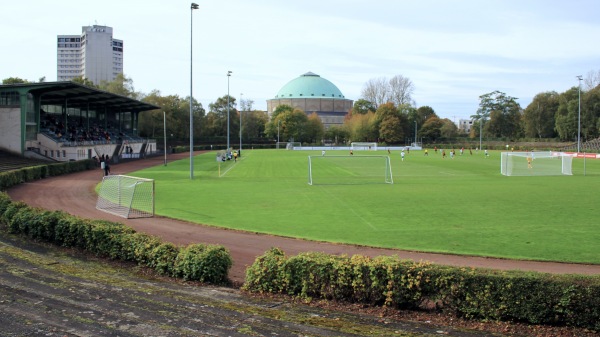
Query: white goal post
[
  {"x": 126, "y": 196},
  {"x": 535, "y": 163},
  {"x": 349, "y": 170},
  {"x": 287, "y": 145},
  {"x": 363, "y": 146}
]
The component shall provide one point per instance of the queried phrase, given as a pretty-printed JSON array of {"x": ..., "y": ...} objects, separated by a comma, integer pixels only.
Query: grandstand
[
  {"x": 66, "y": 121},
  {"x": 589, "y": 146}
]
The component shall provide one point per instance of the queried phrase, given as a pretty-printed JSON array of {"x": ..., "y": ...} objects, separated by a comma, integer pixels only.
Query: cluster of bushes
[
  {"x": 196, "y": 262},
  {"x": 26, "y": 174},
  {"x": 560, "y": 300}
]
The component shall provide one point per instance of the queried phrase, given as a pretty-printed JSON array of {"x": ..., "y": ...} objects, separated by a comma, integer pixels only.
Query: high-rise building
[{"x": 94, "y": 55}]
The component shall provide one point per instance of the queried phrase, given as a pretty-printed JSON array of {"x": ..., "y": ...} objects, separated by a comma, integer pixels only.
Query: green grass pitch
[{"x": 459, "y": 206}]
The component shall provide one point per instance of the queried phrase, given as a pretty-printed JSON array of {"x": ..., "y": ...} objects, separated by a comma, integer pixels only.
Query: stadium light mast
[
  {"x": 241, "y": 122},
  {"x": 193, "y": 6},
  {"x": 415, "y": 132},
  {"x": 228, "y": 76},
  {"x": 278, "y": 122},
  {"x": 579, "y": 117},
  {"x": 165, "y": 134}
]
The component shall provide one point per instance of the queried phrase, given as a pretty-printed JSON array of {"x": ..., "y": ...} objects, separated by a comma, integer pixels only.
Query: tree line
[{"x": 385, "y": 113}]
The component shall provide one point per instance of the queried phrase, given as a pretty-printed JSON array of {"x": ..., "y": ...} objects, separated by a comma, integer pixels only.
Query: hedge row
[
  {"x": 26, "y": 174},
  {"x": 560, "y": 300},
  {"x": 197, "y": 262}
]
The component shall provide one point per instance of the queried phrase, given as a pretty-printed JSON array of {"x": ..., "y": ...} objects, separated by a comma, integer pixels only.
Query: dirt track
[{"x": 75, "y": 194}]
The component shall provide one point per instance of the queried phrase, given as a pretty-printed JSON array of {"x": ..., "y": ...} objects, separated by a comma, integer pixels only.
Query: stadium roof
[
  {"x": 310, "y": 85},
  {"x": 79, "y": 96}
]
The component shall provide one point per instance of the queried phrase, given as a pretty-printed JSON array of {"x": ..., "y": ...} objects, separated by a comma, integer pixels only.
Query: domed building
[{"x": 312, "y": 93}]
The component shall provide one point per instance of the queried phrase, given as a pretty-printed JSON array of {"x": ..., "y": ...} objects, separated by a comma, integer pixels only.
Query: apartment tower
[{"x": 94, "y": 55}]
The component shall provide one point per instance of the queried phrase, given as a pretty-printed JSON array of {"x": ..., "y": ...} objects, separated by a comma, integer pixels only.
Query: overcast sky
[{"x": 452, "y": 51}]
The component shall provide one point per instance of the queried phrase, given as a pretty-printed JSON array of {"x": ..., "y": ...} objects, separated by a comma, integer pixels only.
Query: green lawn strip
[{"x": 460, "y": 206}]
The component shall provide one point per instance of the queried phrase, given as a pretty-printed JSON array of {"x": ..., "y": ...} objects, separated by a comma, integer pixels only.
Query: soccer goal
[
  {"x": 126, "y": 196},
  {"x": 363, "y": 146},
  {"x": 349, "y": 170},
  {"x": 287, "y": 145},
  {"x": 535, "y": 164}
]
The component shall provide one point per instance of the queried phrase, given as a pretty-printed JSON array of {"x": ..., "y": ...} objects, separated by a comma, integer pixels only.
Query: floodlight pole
[
  {"x": 241, "y": 121},
  {"x": 415, "y": 133},
  {"x": 193, "y": 6},
  {"x": 579, "y": 117},
  {"x": 165, "y": 134},
  {"x": 228, "y": 75},
  {"x": 480, "y": 131}
]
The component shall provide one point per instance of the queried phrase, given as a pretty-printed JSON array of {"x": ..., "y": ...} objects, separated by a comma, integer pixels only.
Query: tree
[
  {"x": 273, "y": 127},
  {"x": 362, "y": 106},
  {"x": 254, "y": 124},
  {"x": 314, "y": 129},
  {"x": 390, "y": 130},
  {"x": 338, "y": 134},
  {"x": 401, "y": 90},
  {"x": 567, "y": 114},
  {"x": 84, "y": 81},
  {"x": 397, "y": 90},
  {"x": 376, "y": 91},
  {"x": 539, "y": 116},
  {"x": 13, "y": 80},
  {"x": 217, "y": 117},
  {"x": 431, "y": 129},
  {"x": 592, "y": 79},
  {"x": 121, "y": 85},
  {"x": 504, "y": 113},
  {"x": 448, "y": 129},
  {"x": 362, "y": 128}
]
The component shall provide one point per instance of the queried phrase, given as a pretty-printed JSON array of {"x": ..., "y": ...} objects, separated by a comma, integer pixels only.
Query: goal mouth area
[
  {"x": 349, "y": 170},
  {"x": 543, "y": 163},
  {"x": 126, "y": 196}
]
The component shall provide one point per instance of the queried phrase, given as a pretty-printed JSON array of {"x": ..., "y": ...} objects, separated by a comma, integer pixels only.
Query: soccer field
[{"x": 459, "y": 206}]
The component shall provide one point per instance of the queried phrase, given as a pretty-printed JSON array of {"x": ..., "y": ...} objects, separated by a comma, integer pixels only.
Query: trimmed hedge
[
  {"x": 26, "y": 174},
  {"x": 197, "y": 262},
  {"x": 536, "y": 298}
]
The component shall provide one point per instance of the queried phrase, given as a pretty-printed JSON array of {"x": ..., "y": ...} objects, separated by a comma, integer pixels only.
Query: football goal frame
[
  {"x": 369, "y": 146},
  {"x": 349, "y": 170},
  {"x": 126, "y": 196},
  {"x": 536, "y": 163}
]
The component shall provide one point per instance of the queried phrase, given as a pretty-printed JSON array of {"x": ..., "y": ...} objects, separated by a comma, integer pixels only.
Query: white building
[{"x": 94, "y": 55}]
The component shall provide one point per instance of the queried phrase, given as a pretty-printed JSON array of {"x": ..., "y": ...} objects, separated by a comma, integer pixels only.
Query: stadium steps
[{"x": 9, "y": 162}]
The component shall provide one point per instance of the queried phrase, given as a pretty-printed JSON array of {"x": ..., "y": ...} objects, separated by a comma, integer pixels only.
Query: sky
[{"x": 453, "y": 51}]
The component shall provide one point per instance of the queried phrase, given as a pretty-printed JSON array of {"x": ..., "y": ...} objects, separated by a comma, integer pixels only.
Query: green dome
[{"x": 309, "y": 85}]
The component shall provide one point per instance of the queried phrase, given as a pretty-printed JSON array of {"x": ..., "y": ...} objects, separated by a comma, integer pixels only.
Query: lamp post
[
  {"x": 480, "y": 132},
  {"x": 579, "y": 117},
  {"x": 165, "y": 134},
  {"x": 415, "y": 133},
  {"x": 193, "y": 6},
  {"x": 228, "y": 75},
  {"x": 241, "y": 108}
]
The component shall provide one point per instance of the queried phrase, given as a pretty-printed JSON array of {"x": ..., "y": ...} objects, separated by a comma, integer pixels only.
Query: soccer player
[
  {"x": 323, "y": 153},
  {"x": 351, "y": 153},
  {"x": 486, "y": 153},
  {"x": 402, "y": 155},
  {"x": 426, "y": 153},
  {"x": 443, "y": 154},
  {"x": 529, "y": 160}
]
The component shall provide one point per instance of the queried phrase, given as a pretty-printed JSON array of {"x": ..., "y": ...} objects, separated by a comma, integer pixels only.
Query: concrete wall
[{"x": 10, "y": 129}]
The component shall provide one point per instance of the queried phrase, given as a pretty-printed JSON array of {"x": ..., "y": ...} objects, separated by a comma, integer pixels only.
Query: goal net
[
  {"x": 287, "y": 145},
  {"x": 363, "y": 146},
  {"x": 535, "y": 164},
  {"x": 349, "y": 170},
  {"x": 126, "y": 196}
]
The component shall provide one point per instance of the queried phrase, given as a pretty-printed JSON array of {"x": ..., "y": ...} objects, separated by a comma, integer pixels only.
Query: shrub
[
  {"x": 466, "y": 292},
  {"x": 204, "y": 263}
]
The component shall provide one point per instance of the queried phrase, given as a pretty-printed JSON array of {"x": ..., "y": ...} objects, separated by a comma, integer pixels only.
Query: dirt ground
[{"x": 46, "y": 291}]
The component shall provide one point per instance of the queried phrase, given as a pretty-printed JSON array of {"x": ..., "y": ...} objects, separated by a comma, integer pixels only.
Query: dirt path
[{"x": 75, "y": 194}]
